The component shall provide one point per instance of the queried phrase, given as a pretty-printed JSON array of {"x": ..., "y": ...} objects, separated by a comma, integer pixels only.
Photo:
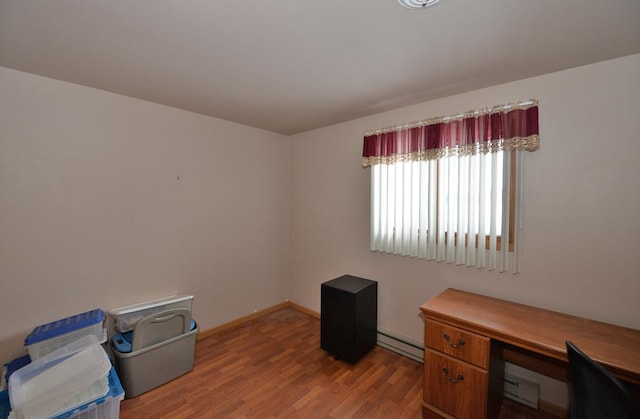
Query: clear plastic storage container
[
  {"x": 48, "y": 337},
  {"x": 107, "y": 407},
  {"x": 63, "y": 380}
]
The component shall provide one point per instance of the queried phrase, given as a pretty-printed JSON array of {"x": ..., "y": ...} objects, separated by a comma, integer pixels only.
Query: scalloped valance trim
[
  {"x": 487, "y": 130},
  {"x": 456, "y": 117},
  {"x": 531, "y": 143}
]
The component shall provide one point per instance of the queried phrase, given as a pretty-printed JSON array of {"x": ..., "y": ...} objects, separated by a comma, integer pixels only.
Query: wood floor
[{"x": 273, "y": 367}]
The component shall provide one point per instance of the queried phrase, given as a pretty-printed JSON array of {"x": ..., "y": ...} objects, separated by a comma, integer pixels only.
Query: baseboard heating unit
[
  {"x": 401, "y": 345},
  {"x": 522, "y": 391}
]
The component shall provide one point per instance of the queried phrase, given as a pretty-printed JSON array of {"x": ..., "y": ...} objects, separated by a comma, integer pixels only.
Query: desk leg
[{"x": 496, "y": 380}]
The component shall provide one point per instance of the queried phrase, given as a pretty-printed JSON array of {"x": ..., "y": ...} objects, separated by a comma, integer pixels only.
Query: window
[{"x": 447, "y": 189}]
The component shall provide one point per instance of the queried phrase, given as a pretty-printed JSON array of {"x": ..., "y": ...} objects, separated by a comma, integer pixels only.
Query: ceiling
[{"x": 290, "y": 66}]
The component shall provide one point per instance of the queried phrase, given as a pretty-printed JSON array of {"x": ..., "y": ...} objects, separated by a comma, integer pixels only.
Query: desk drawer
[
  {"x": 455, "y": 387},
  {"x": 458, "y": 343}
]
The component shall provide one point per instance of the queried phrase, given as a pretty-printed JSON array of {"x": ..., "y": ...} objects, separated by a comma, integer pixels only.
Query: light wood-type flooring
[{"x": 273, "y": 367}]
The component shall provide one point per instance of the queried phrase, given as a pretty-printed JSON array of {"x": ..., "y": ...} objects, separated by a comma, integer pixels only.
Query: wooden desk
[{"x": 469, "y": 336}]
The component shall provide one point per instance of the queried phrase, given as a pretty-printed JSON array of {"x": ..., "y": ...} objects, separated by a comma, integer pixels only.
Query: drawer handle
[
  {"x": 460, "y": 377},
  {"x": 454, "y": 345}
]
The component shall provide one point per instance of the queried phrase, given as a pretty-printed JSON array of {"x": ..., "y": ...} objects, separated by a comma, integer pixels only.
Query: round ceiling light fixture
[{"x": 418, "y": 4}]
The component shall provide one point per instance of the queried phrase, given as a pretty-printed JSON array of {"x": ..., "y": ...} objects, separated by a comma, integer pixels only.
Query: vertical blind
[{"x": 449, "y": 188}]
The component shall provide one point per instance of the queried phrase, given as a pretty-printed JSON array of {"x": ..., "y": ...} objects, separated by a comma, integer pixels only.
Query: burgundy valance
[{"x": 502, "y": 127}]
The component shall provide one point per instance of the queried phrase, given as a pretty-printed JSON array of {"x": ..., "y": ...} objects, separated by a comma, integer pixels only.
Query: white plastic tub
[
  {"x": 66, "y": 378},
  {"x": 125, "y": 318}
]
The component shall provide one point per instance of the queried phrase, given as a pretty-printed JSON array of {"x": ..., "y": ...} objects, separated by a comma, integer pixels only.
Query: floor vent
[
  {"x": 522, "y": 391},
  {"x": 401, "y": 346}
]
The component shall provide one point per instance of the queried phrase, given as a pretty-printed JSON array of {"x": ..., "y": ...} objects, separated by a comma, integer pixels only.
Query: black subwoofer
[{"x": 348, "y": 317}]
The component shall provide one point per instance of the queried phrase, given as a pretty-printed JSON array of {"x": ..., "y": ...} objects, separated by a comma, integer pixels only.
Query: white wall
[
  {"x": 581, "y": 200},
  {"x": 107, "y": 200},
  {"x": 92, "y": 213}
]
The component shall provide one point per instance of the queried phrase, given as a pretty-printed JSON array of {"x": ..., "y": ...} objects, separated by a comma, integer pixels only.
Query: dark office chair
[{"x": 596, "y": 393}]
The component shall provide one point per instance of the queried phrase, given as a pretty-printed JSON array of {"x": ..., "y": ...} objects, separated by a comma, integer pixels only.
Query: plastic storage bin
[
  {"x": 152, "y": 366},
  {"x": 60, "y": 381},
  {"x": 107, "y": 407},
  {"x": 51, "y": 336},
  {"x": 126, "y": 318},
  {"x": 123, "y": 342}
]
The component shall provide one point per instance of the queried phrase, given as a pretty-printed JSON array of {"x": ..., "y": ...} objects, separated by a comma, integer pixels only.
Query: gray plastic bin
[{"x": 150, "y": 367}]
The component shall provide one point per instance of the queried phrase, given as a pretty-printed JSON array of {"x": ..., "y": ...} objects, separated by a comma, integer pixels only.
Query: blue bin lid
[
  {"x": 15, "y": 365},
  {"x": 5, "y": 406},
  {"x": 62, "y": 326},
  {"x": 122, "y": 341}
]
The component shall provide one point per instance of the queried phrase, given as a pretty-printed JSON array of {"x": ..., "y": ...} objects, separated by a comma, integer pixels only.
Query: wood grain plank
[{"x": 272, "y": 367}]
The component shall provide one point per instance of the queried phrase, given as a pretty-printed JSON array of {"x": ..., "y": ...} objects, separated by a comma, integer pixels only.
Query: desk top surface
[{"x": 539, "y": 330}]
